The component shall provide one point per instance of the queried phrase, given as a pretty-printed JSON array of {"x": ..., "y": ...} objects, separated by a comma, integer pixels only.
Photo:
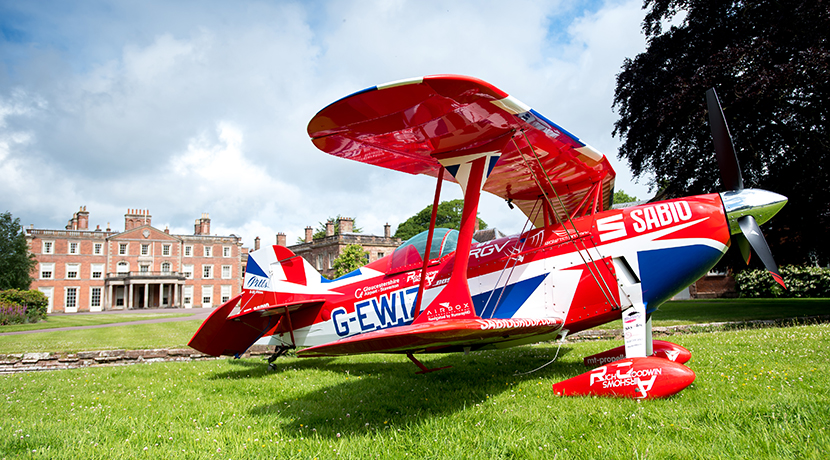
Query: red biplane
[{"x": 578, "y": 265}]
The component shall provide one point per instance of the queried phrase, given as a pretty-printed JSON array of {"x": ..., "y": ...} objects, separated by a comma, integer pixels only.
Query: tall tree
[
  {"x": 448, "y": 216},
  {"x": 352, "y": 258},
  {"x": 770, "y": 64},
  {"x": 622, "y": 197},
  {"x": 16, "y": 262}
]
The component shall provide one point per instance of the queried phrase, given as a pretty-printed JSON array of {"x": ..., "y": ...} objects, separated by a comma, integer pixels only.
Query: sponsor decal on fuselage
[{"x": 643, "y": 219}]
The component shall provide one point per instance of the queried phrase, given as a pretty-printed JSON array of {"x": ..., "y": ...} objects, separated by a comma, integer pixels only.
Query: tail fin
[
  {"x": 278, "y": 269},
  {"x": 277, "y": 282}
]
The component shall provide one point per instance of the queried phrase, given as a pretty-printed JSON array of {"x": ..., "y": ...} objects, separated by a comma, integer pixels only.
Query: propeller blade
[
  {"x": 743, "y": 245},
  {"x": 756, "y": 239},
  {"x": 730, "y": 170}
]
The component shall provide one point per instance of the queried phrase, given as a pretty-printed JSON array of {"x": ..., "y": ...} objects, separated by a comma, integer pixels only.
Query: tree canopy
[
  {"x": 16, "y": 262},
  {"x": 770, "y": 65},
  {"x": 622, "y": 197},
  {"x": 448, "y": 216},
  {"x": 352, "y": 258}
]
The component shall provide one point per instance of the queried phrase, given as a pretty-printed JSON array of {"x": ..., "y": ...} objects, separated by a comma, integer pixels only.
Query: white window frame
[
  {"x": 207, "y": 272},
  {"x": 146, "y": 249},
  {"x": 187, "y": 269},
  {"x": 225, "y": 293},
  {"x": 76, "y": 290},
  {"x": 73, "y": 248},
  {"x": 187, "y": 296},
  {"x": 165, "y": 267},
  {"x": 144, "y": 268},
  {"x": 48, "y": 247},
  {"x": 188, "y": 250},
  {"x": 120, "y": 264},
  {"x": 92, "y": 305},
  {"x": 165, "y": 249},
  {"x": 123, "y": 249},
  {"x": 207, "y": 296},
  {"x": 96, "y": 269},
  {"x": 49, "y": 268},
  {"x": 97, "y": 248},
  {"x": 226, "y": 251},
  {"x": 73, "y": 268},
  {"x": 226, "y": 272},
  {"x": 208, "y": 251}
]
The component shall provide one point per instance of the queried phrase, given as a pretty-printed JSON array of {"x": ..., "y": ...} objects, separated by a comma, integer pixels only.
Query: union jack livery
[{"x": 579, "y": 263}]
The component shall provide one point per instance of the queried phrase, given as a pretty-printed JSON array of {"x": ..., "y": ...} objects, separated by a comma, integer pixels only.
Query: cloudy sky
[{"x": 190, "y": 107}]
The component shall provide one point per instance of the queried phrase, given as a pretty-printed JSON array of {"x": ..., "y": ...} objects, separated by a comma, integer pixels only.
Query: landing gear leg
[{"x": 279, "y": 351}]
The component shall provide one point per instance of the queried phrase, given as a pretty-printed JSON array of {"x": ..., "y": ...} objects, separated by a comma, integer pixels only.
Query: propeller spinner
[{"x": 745, "y": 208}]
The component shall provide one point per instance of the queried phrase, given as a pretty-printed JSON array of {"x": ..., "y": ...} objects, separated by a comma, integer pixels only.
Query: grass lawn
[
  {"x": 759, "y": 393},
  {"x": 173, "y": 334},
  {"x": 69, "y": 320}
]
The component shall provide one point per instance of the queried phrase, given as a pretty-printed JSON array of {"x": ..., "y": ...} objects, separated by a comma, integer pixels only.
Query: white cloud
[{"x": 186, "y": 109}]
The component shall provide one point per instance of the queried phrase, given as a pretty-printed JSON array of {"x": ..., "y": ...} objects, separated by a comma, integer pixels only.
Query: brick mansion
[{"x": 79, "y": 269}]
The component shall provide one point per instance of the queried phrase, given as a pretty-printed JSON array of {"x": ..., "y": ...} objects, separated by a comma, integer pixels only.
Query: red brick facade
[{"x": 142, "y": 267}]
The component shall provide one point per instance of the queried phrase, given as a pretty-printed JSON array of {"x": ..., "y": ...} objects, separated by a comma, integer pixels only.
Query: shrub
[
  {"x": 800, "y": 281},
  {"x": 34, "y": 303},
  {"x": 11, "y": 313}
]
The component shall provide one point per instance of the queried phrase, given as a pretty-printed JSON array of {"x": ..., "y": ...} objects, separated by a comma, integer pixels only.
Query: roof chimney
[
  {"x": 330, "y": 228},
  {"x": 281, "y": 239},
  {"x": 256, "y": 244},
  {"x": 346, "y": 225},
  {"x": 309, "y": 234},
  {"x": 387, "y": 230}
]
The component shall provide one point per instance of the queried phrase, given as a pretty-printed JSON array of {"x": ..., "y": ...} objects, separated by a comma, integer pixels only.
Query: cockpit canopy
[{"x": 444, "y": 241}]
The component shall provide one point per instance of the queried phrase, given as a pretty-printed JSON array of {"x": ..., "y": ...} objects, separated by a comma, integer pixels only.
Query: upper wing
[{"x": 404, "y": 125}]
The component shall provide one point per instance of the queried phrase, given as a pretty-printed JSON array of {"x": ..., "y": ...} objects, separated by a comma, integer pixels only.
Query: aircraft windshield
[{"x": 444, "y": 241}]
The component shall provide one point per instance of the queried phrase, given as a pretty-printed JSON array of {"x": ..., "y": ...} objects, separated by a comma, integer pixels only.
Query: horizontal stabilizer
[
  {"x": 436, "y": 335},
  {"x": 229, "y": 334}
]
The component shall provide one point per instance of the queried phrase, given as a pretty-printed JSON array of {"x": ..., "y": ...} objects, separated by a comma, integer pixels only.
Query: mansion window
[
  {"x": 207, "y": 296},
  {"x": 207, "y": 271},
  {"x": 48, "y": 247},
  {"x": 122, "y": 249},
  {"x": 95, "y": 297},
  {"x": 188, "y": 251},
  {"x": 72, "y": 271},
  {"x": 188, "y": 271},
  {"x": 188, "y": 295},
  {"x": 73, "y": 247},
  {"x": 208, "y": 250},
  {"x": 145, "y": 249},
  {"x": 122, "y": 267},
  {"x": 226, "y": 293},
  {"x": 71, "y": 298},
  {"x": 97, "y": 271},
  {"x": 226, "y": 272},
  {"x": 47, "y": 271},
  {"x": 165, "y": 267},
  {"x": 226, "y": 251},
  {"x": 96, "y": 248},
  {"x": 144, "y": 268},
  {"x": 165, "y": 250}
]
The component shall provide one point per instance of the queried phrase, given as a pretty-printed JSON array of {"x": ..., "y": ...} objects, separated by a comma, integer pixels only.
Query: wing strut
[
  {"x": 429, "y": 246},
  {"x": 590, "y": 263},
  {"x": 470, "y": 169}
]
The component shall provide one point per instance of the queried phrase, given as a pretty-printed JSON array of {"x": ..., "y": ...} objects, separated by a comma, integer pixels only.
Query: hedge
[
  {"x": 18, "y": 306},
  {"x": 801, "y": 282}
]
